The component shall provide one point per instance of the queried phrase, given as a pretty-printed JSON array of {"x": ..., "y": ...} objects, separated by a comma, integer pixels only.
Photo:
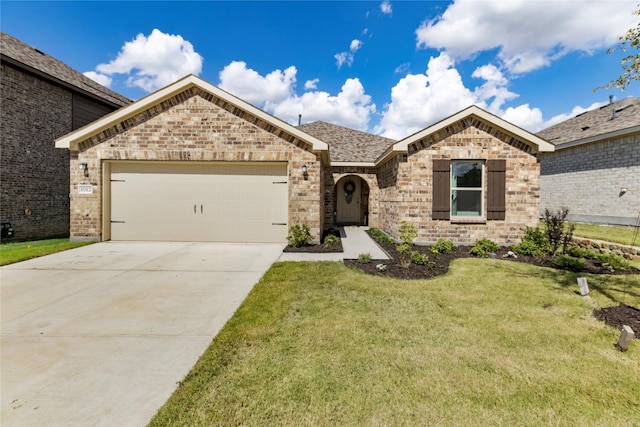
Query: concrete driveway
[{"x": 100, "y": 335}]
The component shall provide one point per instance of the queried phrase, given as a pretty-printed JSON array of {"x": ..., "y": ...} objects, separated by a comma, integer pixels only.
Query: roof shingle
[
  {"x": 609, "y": 118},
  {"x": 34, "y": 59},
  {"x": 348, "y": 145}
]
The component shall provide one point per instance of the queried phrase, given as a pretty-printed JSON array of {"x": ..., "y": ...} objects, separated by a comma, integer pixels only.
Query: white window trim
[{"x": 466, "y": 218}]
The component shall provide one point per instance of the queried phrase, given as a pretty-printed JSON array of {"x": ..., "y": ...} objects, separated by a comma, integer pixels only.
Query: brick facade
[
  {"x": 331, "y": 182},
  {"x": 588, "y": 180},
  {"x": 194, "y": 126},
  {"x": 406, "y": 185},
  {"x": 34, "y": 175}
]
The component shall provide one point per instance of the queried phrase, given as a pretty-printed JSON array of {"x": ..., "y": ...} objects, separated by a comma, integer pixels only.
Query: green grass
[
  {"x": 614, "y": 234},
  {"x": 21, "y": 251},
  {"x": 491, "y": 343}
]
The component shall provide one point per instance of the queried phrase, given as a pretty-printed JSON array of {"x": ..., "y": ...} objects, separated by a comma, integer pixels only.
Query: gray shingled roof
[
  {"x": 348, "y": 145},
  {"x": 34, "y": 60},
  {"x": 609, "y": 118}
]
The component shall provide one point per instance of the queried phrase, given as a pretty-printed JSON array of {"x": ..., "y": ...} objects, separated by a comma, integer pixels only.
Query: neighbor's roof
[
  {"x": 348, "y": 145},
  {"x": 18, "y": 53},
  {"x": 613, "y": 119}
]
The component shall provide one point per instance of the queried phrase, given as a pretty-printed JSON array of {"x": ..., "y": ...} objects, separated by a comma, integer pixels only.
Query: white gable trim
[
  {"x": 71, "y": 140},
  {"x": 538, "y": 144}
]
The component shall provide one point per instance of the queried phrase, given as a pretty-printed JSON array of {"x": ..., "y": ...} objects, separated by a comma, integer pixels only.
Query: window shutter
[
  {"x": 496, "y": 189},
  {"x": 441, "y": 189}
]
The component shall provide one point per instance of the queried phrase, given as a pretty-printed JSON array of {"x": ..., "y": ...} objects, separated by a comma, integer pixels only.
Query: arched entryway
[{"x": 352, "y": 201}]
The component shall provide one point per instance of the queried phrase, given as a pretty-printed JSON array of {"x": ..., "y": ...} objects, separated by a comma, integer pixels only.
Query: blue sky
[{"x": 387, "y": 67}]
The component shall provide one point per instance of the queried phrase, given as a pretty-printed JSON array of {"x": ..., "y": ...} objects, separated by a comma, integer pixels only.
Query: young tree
[{"x": 631, "y": 63}]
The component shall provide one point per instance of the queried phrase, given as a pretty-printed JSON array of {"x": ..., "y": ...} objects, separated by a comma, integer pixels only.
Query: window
[{"x": 467, "y": 188}]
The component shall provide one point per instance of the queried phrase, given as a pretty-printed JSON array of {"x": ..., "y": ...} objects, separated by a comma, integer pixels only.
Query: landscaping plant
[
  {"x": 380, "y": 236},
  {"x": 484, "y": 247},
  {"x": 299, "y": 235},
  {"x": 364, "y": 258},
  {"x": 534, "y": 243},
  {"x": 443, "y": 246},
  {"x": 554, "y": 223}
]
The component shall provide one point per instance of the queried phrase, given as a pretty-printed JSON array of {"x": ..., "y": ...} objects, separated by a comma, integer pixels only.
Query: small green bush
[
  {"x": 380, "y": 236},
  {"x": 331, "y": 240},
  {"x": 484, "y": 247},
  {"x": 578, "y": 252},
  {"x": 364, "y": 258},
  {"x": 568, "y": 262},
  {"x": 534, "y": 243},
  {"x": 407, "y": 233},
  {"x": 443, "y": 246},
  {"x": 403, "y": 248},
  {"x": 615, "y": 262},
  {"x": 418, "y": 258},
  {"x": 299, "y": 235}
]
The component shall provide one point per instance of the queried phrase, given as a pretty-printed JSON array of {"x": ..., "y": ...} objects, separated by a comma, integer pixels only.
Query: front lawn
[
  {"x": 614, "y": 234},
  {"x": 21, "y": 251},
  {"x": 490, "y": 343}
]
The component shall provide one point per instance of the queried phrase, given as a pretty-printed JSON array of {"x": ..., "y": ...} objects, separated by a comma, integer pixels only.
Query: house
[
  {"x": 595, "y": 168},
  {"x": 42, "y": 99},
  {"x": 192, "y": 162}
]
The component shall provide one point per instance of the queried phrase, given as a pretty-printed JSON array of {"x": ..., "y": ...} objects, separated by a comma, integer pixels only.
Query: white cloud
[
  {"x": 538, "y": 31},
  {"x": 422, "y": 99},
  {"x": 154, "y": 61},
  {"x": 275, "y": 93},
  {"x": 102, "y": 79},
  {"x": 402, "y": 68},
  {"x": 311, "y": 84},
  {"x": 343, "y": 58},
  {"x": 419, "y": 100},
  {"x": 385, "y": 7},
  {"x": 351, "y": 107},
  {"x": 250, "y": 86}
]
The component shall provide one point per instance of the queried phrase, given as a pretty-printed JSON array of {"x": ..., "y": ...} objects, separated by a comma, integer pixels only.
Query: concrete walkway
[{"x": 355, "y": 241}]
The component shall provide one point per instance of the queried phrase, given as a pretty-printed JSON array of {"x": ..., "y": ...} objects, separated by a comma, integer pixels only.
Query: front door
[{"x": 348, "y": 206}]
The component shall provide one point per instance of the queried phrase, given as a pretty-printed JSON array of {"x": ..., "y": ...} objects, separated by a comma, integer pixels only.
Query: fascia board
[{"x": 354, "y": 164}]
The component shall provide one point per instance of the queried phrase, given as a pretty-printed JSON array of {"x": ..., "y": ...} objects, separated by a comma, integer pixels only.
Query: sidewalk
[{"x": 354, "y": 242}]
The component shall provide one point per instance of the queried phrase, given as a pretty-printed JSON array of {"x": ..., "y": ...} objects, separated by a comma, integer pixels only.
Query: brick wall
[
  {"x": 194, "y": 126},
  {"x": 406, "y": 195},
  {"x": 34, "y": 175},
  {"x": 588, "y": 178}
]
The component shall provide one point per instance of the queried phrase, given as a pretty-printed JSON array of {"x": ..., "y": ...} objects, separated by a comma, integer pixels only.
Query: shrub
[
  {"x": 484, "y": 247},
  {"x": 380, "y": 236},
  {"x": 443, "y": 246},
  {"x": 364, "y": 258},
  {"x": 403, "y": 248},
  {"x": 534, "y": 243},
  {"x": 418, "y": 258},
  {"x": 407, "y": 233},
  {"x": 331, "y": 240},
  {"x": 578, "y": 252},
  {"x": 554, "y": 223},
  {"x": 568, "y": 262},
  {"x": 299, "y": 235},
  {"x": 612, "y": 261}
]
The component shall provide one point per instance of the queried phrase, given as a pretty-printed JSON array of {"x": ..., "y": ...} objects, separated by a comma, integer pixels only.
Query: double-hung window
[{"x": 467, "y": 189}]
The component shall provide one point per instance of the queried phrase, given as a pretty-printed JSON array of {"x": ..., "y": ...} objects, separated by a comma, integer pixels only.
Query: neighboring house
[
  {"x": 595, "y": 168},
  {"x": 192, "y": 162},
  {"x": 42, "y": 99}
]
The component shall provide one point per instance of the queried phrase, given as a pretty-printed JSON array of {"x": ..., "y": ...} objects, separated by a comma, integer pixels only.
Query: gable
[{"x": 176, "y": 94}]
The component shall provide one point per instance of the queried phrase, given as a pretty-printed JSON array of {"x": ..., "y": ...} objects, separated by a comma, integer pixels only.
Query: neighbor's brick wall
[
  {"x": 410, "y": 199},
  {"x": 193, "y": 126},
  {"x": 34, "y": 175},
  {"x": 587, "y": 179},
  {"x": 334, "y": 175}
]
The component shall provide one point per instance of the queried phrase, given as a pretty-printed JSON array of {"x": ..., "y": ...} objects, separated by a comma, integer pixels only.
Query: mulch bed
[
  {"x": 620, "y": 316},
  {"x": 315, "y": 249}
]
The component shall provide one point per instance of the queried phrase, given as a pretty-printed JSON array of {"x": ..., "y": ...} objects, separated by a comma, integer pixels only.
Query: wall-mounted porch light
[
  {"x": 84, "y": 167},
  {"x": 304, "y": 169}
]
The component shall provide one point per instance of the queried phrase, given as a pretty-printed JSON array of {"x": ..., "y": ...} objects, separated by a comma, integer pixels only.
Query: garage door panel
[{"x": 198, "y": 202}]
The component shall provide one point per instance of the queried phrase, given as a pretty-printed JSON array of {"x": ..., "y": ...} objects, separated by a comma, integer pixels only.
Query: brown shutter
[
  {"x": 496, "y": 189},
  {"x": 441, "y": 189}
]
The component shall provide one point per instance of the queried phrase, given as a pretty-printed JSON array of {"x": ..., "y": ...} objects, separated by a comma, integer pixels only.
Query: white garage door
[{"x": 239, "y": 202}]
